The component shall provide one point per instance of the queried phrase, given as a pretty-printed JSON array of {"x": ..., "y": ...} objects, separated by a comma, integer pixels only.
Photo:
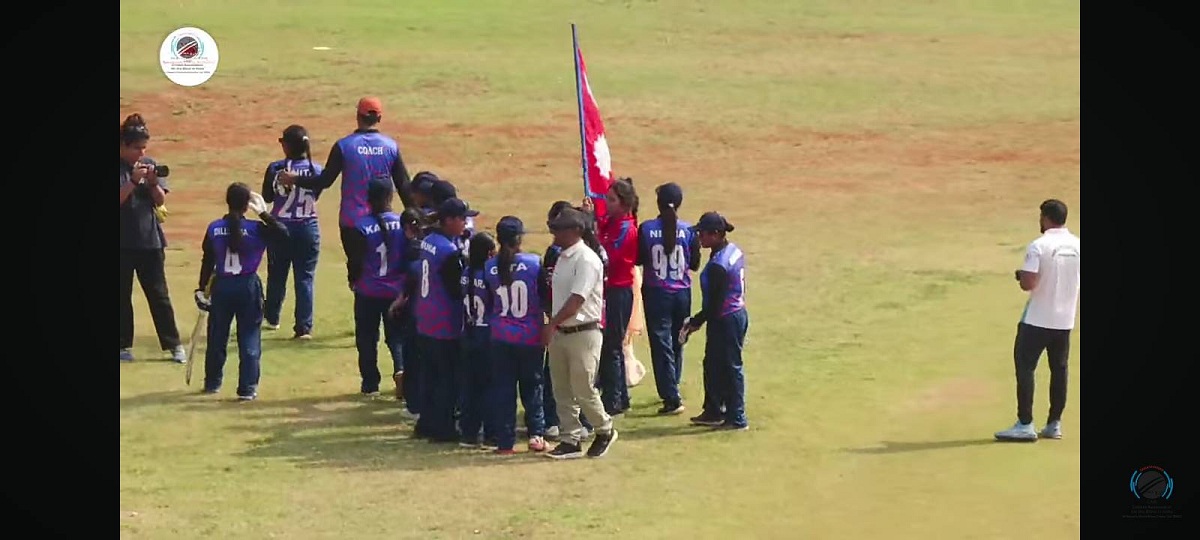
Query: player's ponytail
[
  {"x": 237, "y": 198},
  {"x": 669, "y": 199},
  {"x": 379, "y": 198},
  {"x": 482, "y": 246},
  {"x": 509, "y": 247}
]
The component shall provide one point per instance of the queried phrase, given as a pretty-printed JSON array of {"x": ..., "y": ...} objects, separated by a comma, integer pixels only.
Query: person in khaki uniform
[{"x": 574, "y": 339}]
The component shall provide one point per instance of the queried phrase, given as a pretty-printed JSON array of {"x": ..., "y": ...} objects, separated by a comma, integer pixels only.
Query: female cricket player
[
  {"x": 475, "y": 377},
  {"x": 667, "y": 250},
  {"x": 407, "y": 379},
  {"x": 233, "y": 248},
  {"x": 516, "y": 290},
  {"x": 549, "y": 405},
  {"x": 723, "y": 282},
  {"x": 440, "y": 320},
  {"x": 296, "y": 208},
  {"x": 377, "y": 273},
  {"x": 618, "y": 234}
]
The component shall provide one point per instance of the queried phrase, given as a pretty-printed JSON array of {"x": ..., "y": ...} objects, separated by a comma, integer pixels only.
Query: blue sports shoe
[{"x": 126, "y": 355}]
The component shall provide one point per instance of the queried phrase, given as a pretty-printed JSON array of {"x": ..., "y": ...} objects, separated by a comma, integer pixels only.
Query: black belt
[{"x": 579, "y": 328}]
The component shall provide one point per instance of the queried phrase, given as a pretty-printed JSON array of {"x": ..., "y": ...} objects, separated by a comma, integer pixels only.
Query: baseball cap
[
  {"x": 509, "y": 227},
  {"x": 410, "y": 216},
  {"x": 670, "y": 194},
  {"x": 713, "y": 222},
  {"x": 569, "y": 218},
  {"x": 441, "y": 190},
  {"x": 370, "y": 105},
  {"x": 455, "y": 207}
]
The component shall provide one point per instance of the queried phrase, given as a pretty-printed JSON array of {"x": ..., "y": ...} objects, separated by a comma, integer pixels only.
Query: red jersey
[{"x": 619, "y": 237}]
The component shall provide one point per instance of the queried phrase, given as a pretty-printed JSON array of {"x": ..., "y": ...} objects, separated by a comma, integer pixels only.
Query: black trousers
[
  {"x": 345, "y": 233},
  {"x": 1031, "y": 341},
  {"x": 148, "y": 264}
]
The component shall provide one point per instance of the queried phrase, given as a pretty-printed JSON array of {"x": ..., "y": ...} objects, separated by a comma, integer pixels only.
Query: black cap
[
  {"x": 569, "y": 218},
  {"x": 442, "y": 190},
  {"x": 713, "y": 222},
  {"x": 455, "y": 207},
  {"x": 509, "y": 228},
  {"x": 423, "y": 181},
  {"x": 379, "y": 187},
  {"x": 670, "y": 194}
]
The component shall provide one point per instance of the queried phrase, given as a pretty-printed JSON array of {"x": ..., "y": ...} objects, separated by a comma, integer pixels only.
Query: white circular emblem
[{"x": 188, "y": 56}]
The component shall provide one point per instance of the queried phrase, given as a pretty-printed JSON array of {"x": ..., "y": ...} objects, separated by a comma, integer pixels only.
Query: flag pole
[{"x": 579, "y": 98}]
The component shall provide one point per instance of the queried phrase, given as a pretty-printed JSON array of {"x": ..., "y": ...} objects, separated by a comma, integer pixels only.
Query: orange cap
[{"x": 369, "y": 105}]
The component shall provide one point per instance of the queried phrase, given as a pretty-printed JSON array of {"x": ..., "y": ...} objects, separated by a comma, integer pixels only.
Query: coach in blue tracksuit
[
  {"x": 358, "y": 158},
  {"x": 667, "y": 250},
  {"x": 723, "y": 282},
  {"x": 233, "y": 248},
  {"x": 296, "y": 208}
]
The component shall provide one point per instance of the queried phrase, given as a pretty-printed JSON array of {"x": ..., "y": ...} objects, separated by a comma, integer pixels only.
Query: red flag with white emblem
[{"x": 596, "y": 162}]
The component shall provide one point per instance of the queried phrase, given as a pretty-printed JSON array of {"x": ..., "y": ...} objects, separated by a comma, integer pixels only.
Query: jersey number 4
[{"x": 233, "y": 262}]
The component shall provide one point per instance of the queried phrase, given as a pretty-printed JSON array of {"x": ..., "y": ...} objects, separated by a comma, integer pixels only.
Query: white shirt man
[
  {"x": 1050, "y": 274},
  {"x": 573, "y": 338}
]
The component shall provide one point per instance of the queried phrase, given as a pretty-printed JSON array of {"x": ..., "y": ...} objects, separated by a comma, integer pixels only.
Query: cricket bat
[
  {"x": 198, "y": 332},
  {"x": 201, "y": 324}
]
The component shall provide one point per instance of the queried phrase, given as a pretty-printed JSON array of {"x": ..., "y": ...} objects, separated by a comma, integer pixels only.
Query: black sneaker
[
  {"x": 671, "y": 409},
  {"x": 602, "y": 443},
  {"x": 565, "y": 451},
  {"x": 708, "y": 419}
]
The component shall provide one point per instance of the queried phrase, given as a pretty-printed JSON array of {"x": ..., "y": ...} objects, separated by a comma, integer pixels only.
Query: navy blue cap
[
  {"x": 713, "y": 222},
  {"x": 670, "y": 194},
  {"x": 509, "y": 227},
  {"x": 442, "y": 190},
  {"x": 455, "y": 207}
]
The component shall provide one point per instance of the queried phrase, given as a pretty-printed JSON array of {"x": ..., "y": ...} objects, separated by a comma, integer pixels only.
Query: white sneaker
[
  {"x": 1019, "y": 432},
  {"x": 1053, "y": 430},
  {"x": 269, "y": 326}
]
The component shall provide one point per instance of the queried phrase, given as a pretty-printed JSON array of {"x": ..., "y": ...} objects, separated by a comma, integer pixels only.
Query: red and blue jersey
[
  {"x": 366, "y": 155},
  {"x": 516, "y": 309},
  {"x": 438, "y": 315},
  {"x": 297, "y": 204},
  {"x": 246, "y": 259},
  {"x": 384, "y": 263},
  {"x": 733, "y": 261},
  {"x": 619, "y": 237},
  {"x": 661, "y": 269}
]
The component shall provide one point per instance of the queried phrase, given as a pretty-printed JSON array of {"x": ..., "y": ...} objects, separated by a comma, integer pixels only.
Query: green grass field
[{"x": 883, "y": 162}]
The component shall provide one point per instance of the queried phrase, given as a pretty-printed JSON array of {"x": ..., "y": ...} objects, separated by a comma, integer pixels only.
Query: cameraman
[{"x": 143, "y": 190}]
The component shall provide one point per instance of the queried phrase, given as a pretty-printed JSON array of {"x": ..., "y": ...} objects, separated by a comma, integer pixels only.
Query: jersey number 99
[{"x": 674, "y": 267}]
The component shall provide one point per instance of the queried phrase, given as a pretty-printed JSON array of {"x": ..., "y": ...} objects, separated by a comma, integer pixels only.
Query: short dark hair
[{"x": 1055, "y": 211}]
